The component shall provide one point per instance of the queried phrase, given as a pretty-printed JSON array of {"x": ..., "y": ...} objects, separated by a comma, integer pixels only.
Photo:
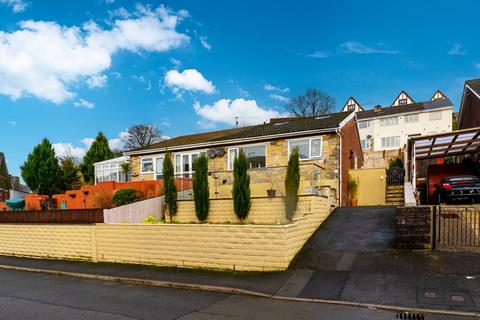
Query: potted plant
[
  {"x": 352, "y": 191},
  {"x": 271, "y": 193}
]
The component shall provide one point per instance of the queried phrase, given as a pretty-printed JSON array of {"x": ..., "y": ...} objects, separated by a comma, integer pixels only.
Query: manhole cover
[{"x": 410, "y": 316}]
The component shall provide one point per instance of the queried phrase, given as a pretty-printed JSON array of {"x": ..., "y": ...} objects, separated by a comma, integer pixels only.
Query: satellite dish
[
  {"x": 369, "y": 137},
  {"x": 220, "y": 152},
  {"x": 211, "y": 153}
]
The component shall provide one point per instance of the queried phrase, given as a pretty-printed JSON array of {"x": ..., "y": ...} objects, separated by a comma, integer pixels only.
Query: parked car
[{"x": 456, "y": 188}]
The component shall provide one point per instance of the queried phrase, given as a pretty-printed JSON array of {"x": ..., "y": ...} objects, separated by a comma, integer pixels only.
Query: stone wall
[
  {"x": 263, "y": 211},
  {"x": 413, "y": 228},
  {"x": 243, "y": 247}
]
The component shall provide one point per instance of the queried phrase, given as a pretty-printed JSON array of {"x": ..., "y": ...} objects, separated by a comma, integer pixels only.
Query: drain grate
[{"x": 410, "y": 316}]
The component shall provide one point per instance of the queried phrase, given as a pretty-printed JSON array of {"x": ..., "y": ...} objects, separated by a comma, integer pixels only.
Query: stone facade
[{"x": 413, "y": 227}]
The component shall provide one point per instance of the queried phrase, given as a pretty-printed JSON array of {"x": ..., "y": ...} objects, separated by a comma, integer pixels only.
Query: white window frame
[
  {"x": 402, "y": 101},
  {"x": 190, "y": 156},
  {"x": 386, "y": 121},
  {"x": 141, "y": 164},
  {"x": 367, "y": 144},
  {"x": 367, "y": 124},
  {"x": 155, "y": 166},
  {"x": 309, "y": 147},
  {"x": 237, "y": 148},
  {"x": 390, "y": 147},
  {"x": 405, "y": 117},
  {"x": 431, "y": 118}
]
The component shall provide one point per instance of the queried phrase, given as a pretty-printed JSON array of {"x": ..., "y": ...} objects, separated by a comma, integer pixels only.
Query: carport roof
[{"x": 447, "y": 144}]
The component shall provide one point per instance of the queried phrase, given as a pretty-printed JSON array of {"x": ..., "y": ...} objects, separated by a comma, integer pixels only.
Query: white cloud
[
  {"x": 279, "y": 97},
  {"x": 16, "y": 5},
  {"x": 270, "y": 87},
  {"x": 189, "y": 80},
  {"x": 359, "y": 48},
  {"x": 177, "y": 63},
  {"x": 88, "y": 142},
  {"x": 67, "y": 149},
  {"x": 145, "y": 82},
  {"x": 456, "y": 49},
  {"x": 319, "y": 54},
  {"x": 12, "y": 123},
  {"x": 116, "y": 74},
  {"x": 119, "y": 142},
  {"x": 206, "y": 124},
  {"x": 109, "y": 1},
  {"x": 225, "y": 111},
  {"x": 204, "y": 42},
  {"x": 97, "y": 81},
  {"x": 43, "y": 59},
  {"x": 82, "y": 103}
]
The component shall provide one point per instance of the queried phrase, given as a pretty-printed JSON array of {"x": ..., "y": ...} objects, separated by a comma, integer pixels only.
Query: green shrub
[
  {"x": 397, "y": 162},
  {"x": 152, "y": 220},
  {"x": 125, "y": 196},
  {"x": 292, "y": 183},
  {"x": 169, "y": 185},
  {"x": 200, "y": 188},
  {"x": 352, "y": 187},
  {"x": 241, "y": 186}
]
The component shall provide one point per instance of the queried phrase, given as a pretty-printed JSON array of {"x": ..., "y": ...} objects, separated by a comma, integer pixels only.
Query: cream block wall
[
  {"x": 263, "y": 211},
  {"x": 49, "y": 241},
  {"x": 213, "y": 246}
]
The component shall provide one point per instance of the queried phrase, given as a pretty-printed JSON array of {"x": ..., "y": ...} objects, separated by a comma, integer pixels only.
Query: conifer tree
[
  {"x": 201, "y": 193},
  {"x": 41, "y": 171},
  {"x": 169, "y": 185},
  {"x": 241, "y": 186},
  {"x": 99, "y": 151},
  {"x": 292, "y": 182}
]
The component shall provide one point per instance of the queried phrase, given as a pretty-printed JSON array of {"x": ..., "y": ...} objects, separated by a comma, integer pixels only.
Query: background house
[
  {"x": 384, "y": 131},
  {"x": 329, "y": 146},
  {"x": 4, "y": 179},
  {"x": 469, "y": 114}
]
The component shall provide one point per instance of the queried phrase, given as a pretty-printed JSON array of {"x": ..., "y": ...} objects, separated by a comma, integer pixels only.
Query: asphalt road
[{"x": 26, "y": 295}]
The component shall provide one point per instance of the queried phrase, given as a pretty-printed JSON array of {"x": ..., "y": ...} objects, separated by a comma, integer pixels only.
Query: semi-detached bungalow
[{"x": 329, "y": 147}]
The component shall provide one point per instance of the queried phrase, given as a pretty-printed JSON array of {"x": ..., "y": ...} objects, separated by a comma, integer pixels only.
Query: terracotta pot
[{"x": 353, "y": 202}]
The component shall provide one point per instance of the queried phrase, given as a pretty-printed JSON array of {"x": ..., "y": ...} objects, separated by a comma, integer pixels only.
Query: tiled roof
[
  {"x": 290, "y": 125},
  {"x": 406, "y": 108},
  {"x": 474, "y": 84}
]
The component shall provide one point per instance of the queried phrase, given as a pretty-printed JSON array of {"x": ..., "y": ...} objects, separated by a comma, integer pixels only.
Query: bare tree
[
  {"x": 312, "y": 102},
  {"x": 141, "y": 135}
]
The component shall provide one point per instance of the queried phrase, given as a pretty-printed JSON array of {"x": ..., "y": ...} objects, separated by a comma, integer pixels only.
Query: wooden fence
[
  {"x": 136, "y": 212},
  {"x": 71, "y": 216}
]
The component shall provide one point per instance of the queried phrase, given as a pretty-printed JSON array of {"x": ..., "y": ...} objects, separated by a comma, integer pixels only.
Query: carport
[{"x": 432, "y": 149}]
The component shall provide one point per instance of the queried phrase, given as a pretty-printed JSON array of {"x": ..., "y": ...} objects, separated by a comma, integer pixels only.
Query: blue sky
[{"x": 69, "y": 69}]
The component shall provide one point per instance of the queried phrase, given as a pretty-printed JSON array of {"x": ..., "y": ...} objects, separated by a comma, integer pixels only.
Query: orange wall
[{"x": 85, "y": 197}]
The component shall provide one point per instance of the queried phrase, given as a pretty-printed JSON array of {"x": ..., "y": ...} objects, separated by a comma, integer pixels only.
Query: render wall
[{"x": 371, "y": 187}]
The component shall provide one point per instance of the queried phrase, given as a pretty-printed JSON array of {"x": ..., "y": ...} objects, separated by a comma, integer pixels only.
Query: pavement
[
  {"x": 349, "y": 258},
  {"x": 25, "y": 295}
]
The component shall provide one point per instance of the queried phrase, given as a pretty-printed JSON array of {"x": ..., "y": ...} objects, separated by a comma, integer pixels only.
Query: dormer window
[
  {"x": 402, "y": 101},
  {"x": 351, "y": 107}
]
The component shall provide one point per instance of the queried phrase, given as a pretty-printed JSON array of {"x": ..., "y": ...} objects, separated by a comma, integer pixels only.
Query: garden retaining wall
[{"x": 413, "y": 228}]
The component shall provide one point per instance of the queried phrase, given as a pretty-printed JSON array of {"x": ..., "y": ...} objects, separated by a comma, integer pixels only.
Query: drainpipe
[{"x": 337, "y": 130}]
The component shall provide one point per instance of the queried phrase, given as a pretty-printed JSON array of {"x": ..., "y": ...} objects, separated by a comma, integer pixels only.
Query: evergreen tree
[
  {"x": 41, "y": 170},
  {"x": 99, "y": 151},
  {"x": 200, "y": 188},
  {"x": 169, "y": 185},
  {"x": 70, "y": 172},
  {"x": 292, "y": 182},
  {"x": 241, "y": 186}
]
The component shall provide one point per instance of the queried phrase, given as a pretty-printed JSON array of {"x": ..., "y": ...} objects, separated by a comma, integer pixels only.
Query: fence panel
[
  {"x": 71, "y": 216},
  {"x": 136, "y": 212}
]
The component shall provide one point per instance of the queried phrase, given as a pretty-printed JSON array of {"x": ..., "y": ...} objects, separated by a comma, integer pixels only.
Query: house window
[
  {"x": 365, "y": 143},
  {"x": 307, "y": 148},
  {"x": 437, "y": 115},
  {"x": 184, "y": 166},
  {"x": 391, "y": 142},
  {"x": 363, "y": 124},
  {"x": 351, "y": 107},
  {"x": 402, "y": 101},
  {"x": 147, "y": 165},
  {"x": 107, "y": 172},
  {"x": 411, "y": 118},
  {"x": 256, "y": 156},
  {"x": 391, "y": 121}
]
